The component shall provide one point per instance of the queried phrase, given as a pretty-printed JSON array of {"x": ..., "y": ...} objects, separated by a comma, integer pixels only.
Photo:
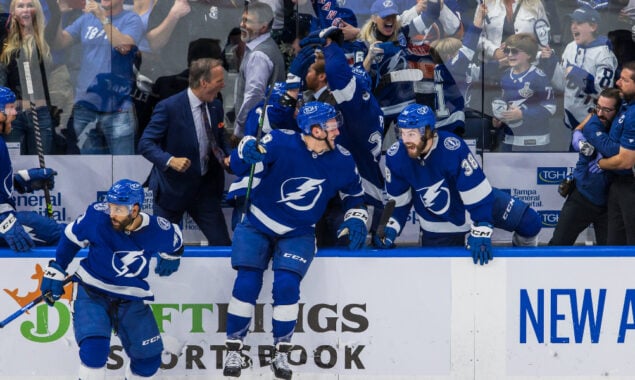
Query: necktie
[{"x": 213, "y": 145}]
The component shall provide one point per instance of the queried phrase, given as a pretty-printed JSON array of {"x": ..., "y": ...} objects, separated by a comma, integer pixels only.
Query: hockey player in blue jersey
[
  {"x": 111, "y": 287},
  {"x": 300, "y": 172},
  {"x": 349, "y": 91},
  {"x": 21, "y": 230},
  {"x": 435, "y": 172}
]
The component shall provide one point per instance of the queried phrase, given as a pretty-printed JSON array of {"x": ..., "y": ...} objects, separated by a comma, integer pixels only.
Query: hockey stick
[
  {"x": 30, "y": 305},
  {"x": 405, "y": 75},
  {"x": 38, "y": 135},
  {"x": 385, "y": 217},
  {"x": 252, "y": 171}
]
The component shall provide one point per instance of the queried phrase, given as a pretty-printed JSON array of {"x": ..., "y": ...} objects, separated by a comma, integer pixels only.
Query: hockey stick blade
[
  {"x": 385, "y": 217},
  {"x": 28, "y": 306}
]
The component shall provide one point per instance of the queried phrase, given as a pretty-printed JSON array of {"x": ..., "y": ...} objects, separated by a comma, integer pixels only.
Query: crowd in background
[{"x": 100, "y": 92}]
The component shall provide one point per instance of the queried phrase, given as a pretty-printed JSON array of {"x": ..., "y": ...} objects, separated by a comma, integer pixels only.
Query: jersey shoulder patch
[
  {"x": 343, "y": 150},
  {"x": 394, "y": 148},
  {"x": 163, "y": 223},
  {"x": 100, "y": 206},
  {"x": 539, "y": 72},
  {"x": 451, "y": 143}
]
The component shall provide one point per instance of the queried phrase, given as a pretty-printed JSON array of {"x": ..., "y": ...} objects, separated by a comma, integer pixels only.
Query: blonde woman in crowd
[{"x": 25, "y": 42}]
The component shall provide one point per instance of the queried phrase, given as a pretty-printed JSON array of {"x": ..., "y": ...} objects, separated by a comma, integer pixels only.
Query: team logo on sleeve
[
  {"x": 393, "y": 149},
  {"x": 435, "y": 198},
  {"x": 100, "y": 206},
  {"x": 451, "y": 143},
  {"x": 301, "y": 193},
  {"x": 128, "y": 263},
  {"x": 163, "y": 223}
]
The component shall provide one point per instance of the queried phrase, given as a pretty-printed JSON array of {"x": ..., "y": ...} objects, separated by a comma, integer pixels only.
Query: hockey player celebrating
[
  {"x": 111, "y": 281},
  {"x": 300, "y": 173},
  {"x": 15, "y": 224},
  {"x": 436, "y": 172}
]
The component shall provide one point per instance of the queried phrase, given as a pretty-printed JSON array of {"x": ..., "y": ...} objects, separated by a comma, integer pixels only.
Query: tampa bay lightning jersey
[
  {"x": 363, "y": 126},
  {"x": 447, "y": 187},
  {"x": 293, "y": 185},
  {"x": 395, "y": 96},
  {"x": 530, "y": 91},
  {"x": 118, "y": 261},
  {"x": 592, "y": 68},
  {"x": 7, "y": 203}
]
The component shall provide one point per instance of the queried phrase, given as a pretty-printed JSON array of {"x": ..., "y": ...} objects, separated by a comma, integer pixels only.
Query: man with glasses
[
  {"x": 620, "y": 161},
  {"x": 587, "y": 192},
  {"x": 111, "y": 287},
  {"x": 262, "y": 65},
  {"x": 587, "y": 66}
]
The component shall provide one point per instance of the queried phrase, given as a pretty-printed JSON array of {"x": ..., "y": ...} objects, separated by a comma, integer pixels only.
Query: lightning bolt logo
[
  {"x": 128, "y": 263},
  {"x": 431, "y": 195},
  {"x": 304, "y": 194}
]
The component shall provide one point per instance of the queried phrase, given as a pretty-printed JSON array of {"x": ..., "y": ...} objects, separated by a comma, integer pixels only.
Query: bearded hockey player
[
  {"x": 110, "y": 284},
  {"x": 435, "y": 172}
]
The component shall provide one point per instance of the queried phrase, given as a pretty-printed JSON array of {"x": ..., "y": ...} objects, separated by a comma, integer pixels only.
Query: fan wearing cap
[
  {"x": 111, "y": 290},
  {"x": 587, "y": 66},
  {"x": 387, "y": 42}
]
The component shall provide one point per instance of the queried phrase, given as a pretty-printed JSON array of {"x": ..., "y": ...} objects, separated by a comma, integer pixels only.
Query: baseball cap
[
  {"x": 585, "y": 14},
  {"x": 384, "y": 8}
]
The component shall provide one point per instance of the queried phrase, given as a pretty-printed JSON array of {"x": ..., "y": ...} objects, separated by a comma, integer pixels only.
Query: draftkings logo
[{"x": 43, "y": 331}]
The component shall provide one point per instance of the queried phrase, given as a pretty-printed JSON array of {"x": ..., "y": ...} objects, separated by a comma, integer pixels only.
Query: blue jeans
[
  {"x": 104, "y": 132},
  {"x": 23, "y": 131}
]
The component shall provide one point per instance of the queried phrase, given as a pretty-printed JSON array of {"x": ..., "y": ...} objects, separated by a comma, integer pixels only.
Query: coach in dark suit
[{"x": 185, "y": 140}]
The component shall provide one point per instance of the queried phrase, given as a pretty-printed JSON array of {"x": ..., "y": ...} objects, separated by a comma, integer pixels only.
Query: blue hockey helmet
[
  {"x": 6, "y": 97},
  {"x": 125, "y": 192},
  {"x": 317, "y": 113},
  {"x": 416, "y": 116}
]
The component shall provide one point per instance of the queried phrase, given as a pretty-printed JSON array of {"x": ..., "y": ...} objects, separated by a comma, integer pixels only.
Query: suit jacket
[{"x": 172, "y": 133}]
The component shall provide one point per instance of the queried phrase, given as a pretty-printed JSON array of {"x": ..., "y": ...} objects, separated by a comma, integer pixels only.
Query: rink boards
[{"x": 401, "y": 314}]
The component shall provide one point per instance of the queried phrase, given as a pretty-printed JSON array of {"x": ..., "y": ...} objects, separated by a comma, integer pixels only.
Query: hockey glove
[
  {"x": 355, "y": 226},
  {"x": 52, "y": 286},
  {"x": 479, "y": 242},
  {"x": 334, "y": 33},
  {"x": 594, "y": 166},
  {"x": 249, "y": 151},
  {"x": 26, "y": 181},
  {"x": 13, "y": 232},
  {"x": 167, "y": 264},
  {"x": 390, "y": 234},
  {"x": 313, "y": 40},
  {"x": 300, "y": 66}
]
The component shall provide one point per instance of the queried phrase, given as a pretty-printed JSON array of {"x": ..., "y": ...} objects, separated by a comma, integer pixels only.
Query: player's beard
[
  {"x": 120, "y": 225},
  {"x": 416, "y": 150}
]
